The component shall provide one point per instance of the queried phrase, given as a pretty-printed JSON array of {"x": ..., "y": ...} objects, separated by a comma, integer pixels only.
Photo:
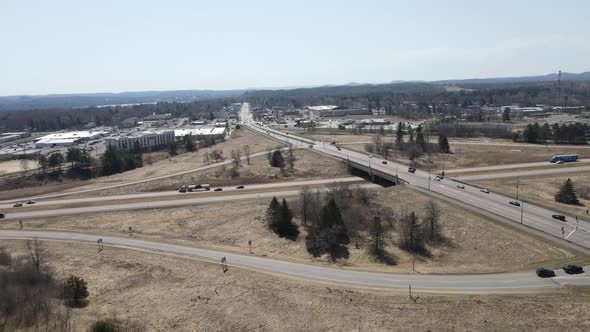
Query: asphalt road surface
[
  {"x": 153, "y": 195},
  {"x": 476, "y": 283},
  {"x": 530, "y": 215},
  {"x": 209, "y": 198}
]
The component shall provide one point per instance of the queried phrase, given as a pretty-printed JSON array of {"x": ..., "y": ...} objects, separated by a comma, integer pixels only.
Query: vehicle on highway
[
  {"x": 485, "y": 191},
  {"x": 333, "y": 142},
  {"x": 339, "y": 149},
  {"x": 564, "y": 158},
  {"x": 515, "y": 203},
  {"x": 18, "y": 204},
  {"x": 558, "y": 217},
  {"x": 31, "y": 201},
  {"x": 573, "y": 269},
  {"x": 240, "y": 187},
  {"x": 2, "y": 214},
  {"x": 545, "y": 273},
  {"x": 384, "y": 162},
  {"x": 311, "y": 146},
  {"x": 438, "y": 178},
  {"x": 218, "y": 189},
  {"x": 412, "y": 169},
  {"x": 559, "y": 162},
  {"x": 461, "y": 186}
]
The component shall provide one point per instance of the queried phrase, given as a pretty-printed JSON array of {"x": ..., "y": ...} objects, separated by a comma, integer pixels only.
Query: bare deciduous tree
[
  {"x": 291, "y": 157},
  {"x": 236, "y": 157},
  {"x": 431, "y": 222},
  {"x": 309, "y": 205},
  {"x": 247, "y": 153},
  {"x": 36, "y": 254}
]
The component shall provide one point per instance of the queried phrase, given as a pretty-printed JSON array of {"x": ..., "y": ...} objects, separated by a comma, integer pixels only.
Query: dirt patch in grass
[
  {"x": 171, "y": 293},
  {"x": 541, "y": 190},
  {"x": 476, "y": 245}
]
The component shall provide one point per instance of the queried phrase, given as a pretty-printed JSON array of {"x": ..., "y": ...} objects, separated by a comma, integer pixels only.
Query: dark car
[
  {"x": 573, "y": 269},
  {"x": 240, "y": 187},
  {"x": 515, "y": 203},
  {"x": 545, "y": 273},
  {"x": 19, "y": 204},
  {"x": 31, "y": 202},
  {"x": 384, "y": 162},
  {"x": 412, "y": 169},
  {"x": 339, "y": 149},
  {"x": 559, "y": 217},
  {"x": 218, "y": 189},
  {"x": 2, "y": 215}
]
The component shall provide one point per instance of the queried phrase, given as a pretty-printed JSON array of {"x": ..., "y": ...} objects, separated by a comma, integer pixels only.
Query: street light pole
[
  {"x": 517, "y": 185},
  {"x": 521, "y": 212}
]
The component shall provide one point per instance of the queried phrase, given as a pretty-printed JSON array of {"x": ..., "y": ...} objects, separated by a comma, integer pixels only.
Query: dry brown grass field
[{"x": 173, "y": 293}]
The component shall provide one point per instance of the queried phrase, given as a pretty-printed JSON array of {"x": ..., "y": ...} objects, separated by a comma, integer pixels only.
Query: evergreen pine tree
[
  {"x": 273, "y": 214},
  {"x": 567, "y": 193},
  {"x": 285, "y": 226}
]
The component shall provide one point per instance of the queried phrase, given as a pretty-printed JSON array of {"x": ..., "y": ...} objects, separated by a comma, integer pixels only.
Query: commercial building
[
  {"x": 201, "y": 132},
  {"x": 7, "y": 137},
  {"x": 148, "y": 140},
  {"x": 17, "y": 152},
  {"x": 68, "y": 138}
]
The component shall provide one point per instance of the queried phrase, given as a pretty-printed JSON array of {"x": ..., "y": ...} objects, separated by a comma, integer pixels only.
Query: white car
[
  {"x": 485, "y": 191},
  {"x": 438, "y": 178},
  {"x": 461, "y": 186}
]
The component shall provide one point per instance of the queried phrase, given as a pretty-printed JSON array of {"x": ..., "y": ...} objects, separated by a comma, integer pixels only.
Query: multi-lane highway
[
  {"x": 577, "y": 233},
  {"x": 476, "y": 283},
  {"x": 150, "y": 201}
]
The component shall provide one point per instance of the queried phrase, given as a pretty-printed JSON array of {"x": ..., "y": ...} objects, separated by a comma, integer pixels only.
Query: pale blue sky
[{"x": 60, "y": 46}]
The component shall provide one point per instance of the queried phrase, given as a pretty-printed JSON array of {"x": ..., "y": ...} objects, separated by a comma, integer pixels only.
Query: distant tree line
[
  {"x": 420, "y": 100},
  {"x": 574, "y": 133},
  {"x": 66, "y": 118}
]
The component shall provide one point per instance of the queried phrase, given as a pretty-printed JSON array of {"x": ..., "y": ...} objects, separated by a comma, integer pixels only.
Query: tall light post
[
  {"x": 517, "y": 185},
  {"x": 521, "y": 212}
]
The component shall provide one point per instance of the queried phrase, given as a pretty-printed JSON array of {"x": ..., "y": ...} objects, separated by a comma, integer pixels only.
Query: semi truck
[
  {"x": 194, "y": 187},
  {"x": 564, "y": 158}
]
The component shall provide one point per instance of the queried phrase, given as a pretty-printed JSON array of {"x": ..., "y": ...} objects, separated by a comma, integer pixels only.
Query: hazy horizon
[{"x": 69, "y": 47}]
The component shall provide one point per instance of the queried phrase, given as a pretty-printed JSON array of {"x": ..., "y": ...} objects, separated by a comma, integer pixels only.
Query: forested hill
[
  {"x": 459, "y": 95},
  {"x": 64, "y": 101}
]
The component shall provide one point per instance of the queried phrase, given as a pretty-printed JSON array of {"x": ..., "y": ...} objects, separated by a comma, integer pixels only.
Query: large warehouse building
[
  {"x": 68, "y": 138},
  {"x": 200, "y": 132}
]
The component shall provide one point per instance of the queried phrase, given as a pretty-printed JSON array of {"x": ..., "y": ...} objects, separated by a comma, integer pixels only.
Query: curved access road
[{"x": 519, "y": 282}]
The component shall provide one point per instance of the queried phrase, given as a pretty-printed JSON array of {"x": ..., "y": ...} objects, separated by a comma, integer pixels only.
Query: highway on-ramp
[{"x": 469, "y": 283}]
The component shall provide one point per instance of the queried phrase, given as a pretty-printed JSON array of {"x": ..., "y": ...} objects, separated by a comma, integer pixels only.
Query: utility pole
[
  {"x": 559, "y": 88},
  {"x": 521, "y": 212},
  {"x": 517, "y": 185}
]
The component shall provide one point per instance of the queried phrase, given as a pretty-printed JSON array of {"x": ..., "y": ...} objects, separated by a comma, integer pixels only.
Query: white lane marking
[{"x": 572, "y": 232}]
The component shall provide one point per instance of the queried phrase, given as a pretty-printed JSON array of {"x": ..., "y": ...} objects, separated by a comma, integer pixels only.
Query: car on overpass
[
  {"x": 545, "y": 273},
  {"x": 559, "y": 217}
]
